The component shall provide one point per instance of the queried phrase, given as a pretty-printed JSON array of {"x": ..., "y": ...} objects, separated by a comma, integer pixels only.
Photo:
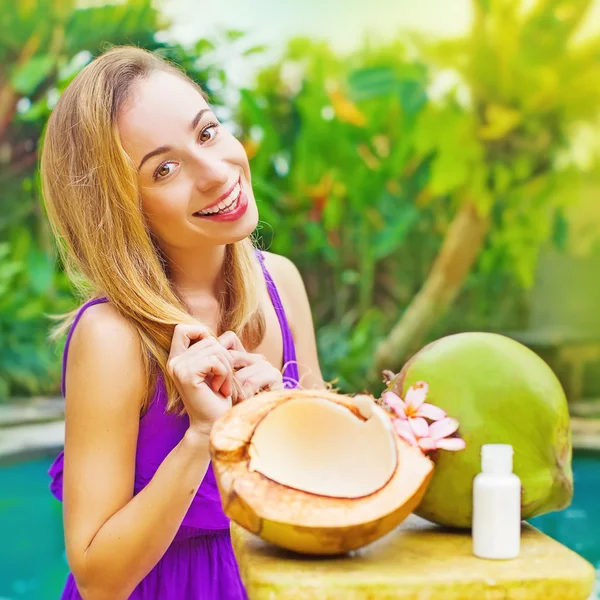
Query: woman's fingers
[
  {"x": 231, "y": 341},
  {"x": 191, "y": 342},
  {"x": 245, "y": 359},
  {"x": 185, "y": 334},
  {"x": 189, "y": 362},
  {"x": 221, "y": 382},
  {"x": 259, "y": 376},
  {"x": 187, "y": 373}
]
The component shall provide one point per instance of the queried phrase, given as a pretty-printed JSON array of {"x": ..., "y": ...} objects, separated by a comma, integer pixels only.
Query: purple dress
[{"x": 199, "y": 564}]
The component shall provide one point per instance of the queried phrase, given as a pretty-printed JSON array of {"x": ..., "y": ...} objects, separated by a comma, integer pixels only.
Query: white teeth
[{"x": 227, "y": 205}]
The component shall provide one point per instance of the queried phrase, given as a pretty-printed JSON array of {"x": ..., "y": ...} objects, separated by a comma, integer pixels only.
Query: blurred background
[{"x": 430, "y": 167}]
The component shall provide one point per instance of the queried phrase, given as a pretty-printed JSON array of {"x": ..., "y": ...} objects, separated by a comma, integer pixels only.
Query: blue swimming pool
[{"x": 32, "y": 561}]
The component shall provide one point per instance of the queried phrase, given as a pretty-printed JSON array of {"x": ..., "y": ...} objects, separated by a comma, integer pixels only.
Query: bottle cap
[{"x": 497, "y": 459}]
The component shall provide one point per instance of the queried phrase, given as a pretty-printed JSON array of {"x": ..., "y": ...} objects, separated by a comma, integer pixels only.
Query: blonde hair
[{"x": 91, "y": 195}]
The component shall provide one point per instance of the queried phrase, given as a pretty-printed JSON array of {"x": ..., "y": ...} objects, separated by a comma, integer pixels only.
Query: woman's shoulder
[
  {"x": 294, "y": 296},
  {"x": 102, "y": 323},
  {"x": 289, "y": 284},
  {"x": 104, "y": 342},
  {"x": 284, "y": 272}
]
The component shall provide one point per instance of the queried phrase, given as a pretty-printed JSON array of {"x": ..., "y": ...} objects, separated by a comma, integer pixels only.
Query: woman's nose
[{"x": 210, "y": 171}]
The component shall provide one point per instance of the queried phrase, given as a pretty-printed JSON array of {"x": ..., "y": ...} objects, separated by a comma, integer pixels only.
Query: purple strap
[{"x": 290, "y": 373}]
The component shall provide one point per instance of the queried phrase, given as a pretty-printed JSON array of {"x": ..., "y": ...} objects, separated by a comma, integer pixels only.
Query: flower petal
[
  {"x": 419, "y": 426},
  {"x": 416, "y": 396},
  {"x": 429, "y": 411},
  {"x": 427, "y": 443},
  {"x": 395, "y": 403},
  {"x": 443, "y": 428},
  {"x": 405, "y": 432},
  {"x": 451, "y": 444}
]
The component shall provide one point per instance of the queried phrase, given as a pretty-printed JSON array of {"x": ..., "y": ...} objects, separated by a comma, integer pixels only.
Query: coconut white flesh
[{"x": 318, "y": 446}]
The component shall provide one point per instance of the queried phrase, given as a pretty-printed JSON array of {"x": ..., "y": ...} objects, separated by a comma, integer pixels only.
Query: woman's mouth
[{"x": 231, "y": 207}]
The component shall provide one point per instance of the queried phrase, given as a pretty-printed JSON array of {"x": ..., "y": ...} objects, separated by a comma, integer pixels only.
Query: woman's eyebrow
[
  {"x": 163, "y": 149},
  {"x": 159, "y": 150},
  {"x": 197, "y": 118}
]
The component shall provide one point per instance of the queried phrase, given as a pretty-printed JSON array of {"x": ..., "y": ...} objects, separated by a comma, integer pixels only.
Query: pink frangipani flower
[
  {"x": 414, "y": 405},
  {"x": 438, "y": 436},
  {"x": 430, "y": 437},
  {"x": 412, "y": 416}
]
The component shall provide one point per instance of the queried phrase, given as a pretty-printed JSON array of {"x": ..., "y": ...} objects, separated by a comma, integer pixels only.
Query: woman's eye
[
  {"x": 163, "y": 171},
  {"x": 208, "y": 133}
]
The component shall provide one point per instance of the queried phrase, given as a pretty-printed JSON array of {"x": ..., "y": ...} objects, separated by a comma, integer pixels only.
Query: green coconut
[{"x": 500, "y": 392}]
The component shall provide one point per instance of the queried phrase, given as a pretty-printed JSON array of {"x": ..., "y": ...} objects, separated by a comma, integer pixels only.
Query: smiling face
[{"x": 189, "y": 166}]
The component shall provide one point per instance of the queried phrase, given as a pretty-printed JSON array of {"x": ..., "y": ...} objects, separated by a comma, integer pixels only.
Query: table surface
[{"x": 418, "y": 560}]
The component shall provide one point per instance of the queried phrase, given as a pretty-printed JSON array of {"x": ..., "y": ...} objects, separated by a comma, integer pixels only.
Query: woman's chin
[
  {"x": 248, "y": 223},
  {"x": 244, "y": 227}
]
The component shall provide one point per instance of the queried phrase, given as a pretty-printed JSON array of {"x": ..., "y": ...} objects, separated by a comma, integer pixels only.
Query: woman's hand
[
  {"x": 253, "y": 372},
  {"x": 202, "y": 369}
]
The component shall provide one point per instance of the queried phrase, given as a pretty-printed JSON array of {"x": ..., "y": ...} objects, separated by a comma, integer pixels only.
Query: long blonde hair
[{"x": 91, "y": 195}]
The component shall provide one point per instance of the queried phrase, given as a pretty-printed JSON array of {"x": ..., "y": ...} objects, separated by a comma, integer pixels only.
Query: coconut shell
[{"x": 300, "y": 521}]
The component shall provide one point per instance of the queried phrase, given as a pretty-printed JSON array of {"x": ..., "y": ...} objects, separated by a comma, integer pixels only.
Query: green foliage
[
  {"x": 527, "y": 83},
  {"x": 342, "y": 189},
  {"x": 359, "y": 163},
  {"x": 362, "y": 160},
  {"x": 28, "y": 289}
]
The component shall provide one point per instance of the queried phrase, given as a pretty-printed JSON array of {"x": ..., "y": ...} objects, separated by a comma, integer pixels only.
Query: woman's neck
[{"x": 197, "y": 273}]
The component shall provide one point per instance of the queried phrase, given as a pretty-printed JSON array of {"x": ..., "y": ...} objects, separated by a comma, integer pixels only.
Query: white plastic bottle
[{"x": 496, "y": 526}]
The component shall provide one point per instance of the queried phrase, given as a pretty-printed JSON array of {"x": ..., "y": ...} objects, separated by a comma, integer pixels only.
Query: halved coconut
[{"x": 314, "y": 471}]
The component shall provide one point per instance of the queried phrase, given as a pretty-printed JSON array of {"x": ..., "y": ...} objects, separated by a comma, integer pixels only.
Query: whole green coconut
[{"x": 500, "y": 392}]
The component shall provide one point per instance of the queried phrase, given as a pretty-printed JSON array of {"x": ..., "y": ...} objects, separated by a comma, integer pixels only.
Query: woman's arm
[{"x": 112, "y": 538}]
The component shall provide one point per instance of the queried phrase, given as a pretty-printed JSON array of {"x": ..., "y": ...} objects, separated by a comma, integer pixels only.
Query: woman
[{"x": 152, "y": 203}]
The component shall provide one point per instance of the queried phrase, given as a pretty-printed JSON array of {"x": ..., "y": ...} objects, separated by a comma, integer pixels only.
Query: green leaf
[
  {"x": 41, "y": 271},
  {"x": 333, "y": 212},
  {"x": 36, "y": 111},
  {"x": 500, "y": 121},
  {"x": 399, "y": 220},
  {"x": 203, "y": 46},
  {"x": 255, "y": 50},
  {"x": 449, "y": 171},
  {"x": 234, "y": 34},
  {"x": 392, "y": 238},
  {"x": 372, "y": 82},
  {"x": 560, "y": 229},
  {"x": 412, "y": 96},
  {"x": 28, "y": 77},
  {"x": 350, "y": 277}
]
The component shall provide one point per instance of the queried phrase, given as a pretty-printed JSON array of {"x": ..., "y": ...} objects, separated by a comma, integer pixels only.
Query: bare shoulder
[
  {"x": 104, "y": 317},
  {"x": 102, "y": 328},
  {"x": 283, "y": 270},
  {"x": 105, "y": 347},
  {"x": 291, "y": 287}
]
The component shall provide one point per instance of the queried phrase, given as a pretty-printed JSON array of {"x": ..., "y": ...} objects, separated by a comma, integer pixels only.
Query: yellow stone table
[{"x": 417, "y": 561}]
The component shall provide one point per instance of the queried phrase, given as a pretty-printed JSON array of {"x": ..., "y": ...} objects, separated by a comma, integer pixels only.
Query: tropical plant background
[{"x": 423, "y": 186}]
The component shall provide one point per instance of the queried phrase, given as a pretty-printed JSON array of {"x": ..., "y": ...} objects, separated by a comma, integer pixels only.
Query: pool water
[
  {"x": 32, "y": 558},
  {"x": 578, "y": 526}
]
